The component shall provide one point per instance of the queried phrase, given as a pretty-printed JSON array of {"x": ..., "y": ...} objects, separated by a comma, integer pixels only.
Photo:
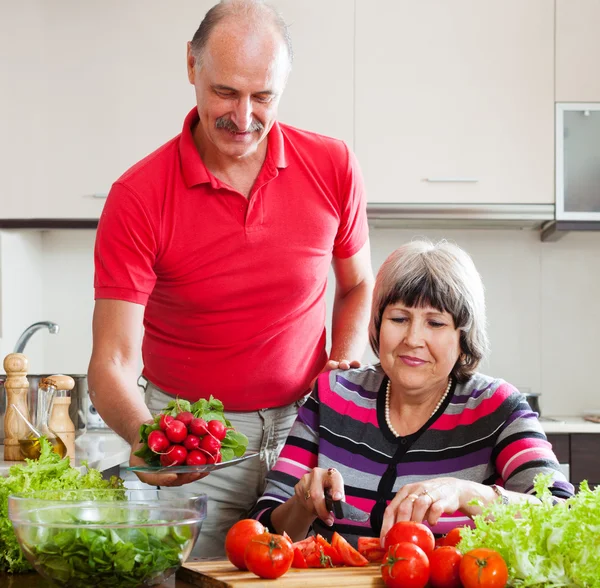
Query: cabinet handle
[
  {"x": 100, "y": 195},
  {"x": 452, "y": 180}
]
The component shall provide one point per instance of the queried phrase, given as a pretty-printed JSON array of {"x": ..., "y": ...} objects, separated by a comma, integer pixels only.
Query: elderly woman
[{"x": 420, "y": 435}]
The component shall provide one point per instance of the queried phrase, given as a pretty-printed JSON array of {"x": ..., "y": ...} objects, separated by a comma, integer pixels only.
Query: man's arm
[
  {"x": 112, "y": 379},
  {"x": 114, "y": 366},
  {"x": 352, "y": 306}
]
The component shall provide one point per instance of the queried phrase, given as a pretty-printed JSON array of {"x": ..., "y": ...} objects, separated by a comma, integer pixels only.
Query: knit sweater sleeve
[
  {"x": 522, "y": 450},
  {"x": 298, "y": 457}
]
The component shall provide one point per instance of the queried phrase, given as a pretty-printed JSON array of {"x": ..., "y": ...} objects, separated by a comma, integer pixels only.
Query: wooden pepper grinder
[
  {"x": 60, "y": 422},
  {"x": 17, "y": 390}
]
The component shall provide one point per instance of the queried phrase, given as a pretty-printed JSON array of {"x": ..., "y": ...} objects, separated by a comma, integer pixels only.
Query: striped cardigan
[{"x": 484, "y": 431}]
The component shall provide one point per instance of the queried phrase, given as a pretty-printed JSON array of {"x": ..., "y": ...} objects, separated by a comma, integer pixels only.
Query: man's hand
[
  {"x": 342, "y": 364},
  {"x": 160, "y": 479},
  {"x": 332, "y": 364}
]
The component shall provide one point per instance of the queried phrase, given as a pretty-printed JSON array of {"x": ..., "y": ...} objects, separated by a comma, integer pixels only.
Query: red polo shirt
[{"x": 233, "y": 287}]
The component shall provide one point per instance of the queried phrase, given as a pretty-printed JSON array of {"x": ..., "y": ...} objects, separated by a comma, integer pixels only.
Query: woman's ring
[
  {"x": 413, "y": 497},
  {"x": 330, "y": 471},
  {"x": 307, "y": 495},
  {"x": 427, "y": 493}
]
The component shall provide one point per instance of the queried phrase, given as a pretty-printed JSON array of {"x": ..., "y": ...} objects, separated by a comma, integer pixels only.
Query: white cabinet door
[
  {"x": 99, "y": 85},
  {"x": 320, "y": 92},
  {"x": 454, "y": 100},
  {"x": 22, "y": 38},
  {"x": 117, "y": 89},
  {"x": 577, "y": 51}
]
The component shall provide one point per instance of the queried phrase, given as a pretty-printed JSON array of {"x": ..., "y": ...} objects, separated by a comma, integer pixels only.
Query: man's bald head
[{"x": 254, "y": 16}]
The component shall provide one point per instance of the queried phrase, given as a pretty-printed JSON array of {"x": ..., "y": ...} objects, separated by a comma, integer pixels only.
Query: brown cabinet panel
[
  {"x": 561, "y": 446},
  {"x": 585, "y": 458}
]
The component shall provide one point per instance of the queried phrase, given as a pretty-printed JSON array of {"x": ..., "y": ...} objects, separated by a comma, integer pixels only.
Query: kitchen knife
[{"x": 343, "y": 510}]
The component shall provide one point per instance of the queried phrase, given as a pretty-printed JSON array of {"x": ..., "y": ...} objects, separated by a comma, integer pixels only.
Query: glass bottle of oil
[{"x": 30, "y": 445}]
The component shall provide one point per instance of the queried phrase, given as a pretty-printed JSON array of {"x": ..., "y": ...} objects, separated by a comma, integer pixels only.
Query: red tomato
[
  {"x": 405, "y": 566},
  {"x": 299, "y": 560},
  {"x": 268, "y": 555},
  {"x": 370, "y": 548},
  {"x": 329, "y": 551},
  {"x": 444, "y": 564},
  {"x": 453, "y": 537},
  {"x": 483, "y": 568},
  {"x": 237, "y": 539},
  {"x": 349, "y": 555},
  {"x": 416, "y": 533},
  {"x": 317, "y": 553}
]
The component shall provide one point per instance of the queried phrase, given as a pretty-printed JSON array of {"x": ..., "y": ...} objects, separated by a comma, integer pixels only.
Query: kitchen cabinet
[
  {"x": 577, "y": 157},
  {"x": 577, "y": 51},
  {"x": 97, "y": 86},
  {"x": 580, "y": 451},
  {"x": 455, "y": 101}
]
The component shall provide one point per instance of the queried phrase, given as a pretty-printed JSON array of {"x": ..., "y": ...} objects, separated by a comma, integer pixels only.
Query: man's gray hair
[
  {"x": 440, "y": 275},
  {"x": 252, "y": 12}
]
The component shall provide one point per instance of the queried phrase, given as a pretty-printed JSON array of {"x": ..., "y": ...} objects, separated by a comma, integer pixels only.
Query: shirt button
[{"x": 403, "y": 442}]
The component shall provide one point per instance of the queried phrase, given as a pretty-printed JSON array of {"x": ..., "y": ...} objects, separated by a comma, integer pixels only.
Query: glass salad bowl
[{"x": 106, "y": 538}]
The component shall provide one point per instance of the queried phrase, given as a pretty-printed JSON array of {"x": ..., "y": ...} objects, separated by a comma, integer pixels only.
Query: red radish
[
  {"x": 158, "y": 442},
  {"x": 191, "y": 442},
  {"x": 214, "y": 458},
  {"x": 210, "y": 444},
  {"x": 198, "y": 427},
  {"x": 175, "y": 455},
  {"x": 176, "y": 431},
  {"x": 195, "y": 458},
  {"x": 217, "y": 429},
  {"x": 165, "y": 419},
  {"x": 185, "y": 417}
]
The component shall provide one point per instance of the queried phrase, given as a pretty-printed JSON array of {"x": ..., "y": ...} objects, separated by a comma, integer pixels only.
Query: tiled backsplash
[{"x": 542, "y": 303}]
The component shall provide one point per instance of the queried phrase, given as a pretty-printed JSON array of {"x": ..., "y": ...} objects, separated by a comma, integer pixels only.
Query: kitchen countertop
[
  {"x": 102, "y": 449},
  {"x": 36, "y": 581},
  {"x": 568, "y": 424}
]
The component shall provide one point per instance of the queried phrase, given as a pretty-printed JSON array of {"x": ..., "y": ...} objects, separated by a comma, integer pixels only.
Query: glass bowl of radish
[{"x": 117, "y": 538}]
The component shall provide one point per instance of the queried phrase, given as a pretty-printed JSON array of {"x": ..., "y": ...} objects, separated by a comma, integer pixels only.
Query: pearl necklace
[{"x": 387, "y": 405}]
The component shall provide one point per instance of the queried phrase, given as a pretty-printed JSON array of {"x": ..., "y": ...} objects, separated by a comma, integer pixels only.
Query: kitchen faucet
[{"x": 30, "y": 330}]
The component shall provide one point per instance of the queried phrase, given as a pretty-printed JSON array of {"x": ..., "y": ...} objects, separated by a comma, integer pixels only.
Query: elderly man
[{"x": 219, "y": 244}]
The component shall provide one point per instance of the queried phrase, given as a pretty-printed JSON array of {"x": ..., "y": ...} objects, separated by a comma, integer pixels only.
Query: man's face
[{"x": 238, "y": 86}]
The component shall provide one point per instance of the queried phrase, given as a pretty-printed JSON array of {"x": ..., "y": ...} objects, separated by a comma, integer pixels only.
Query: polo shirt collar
[{"x": 193, "y": 168}]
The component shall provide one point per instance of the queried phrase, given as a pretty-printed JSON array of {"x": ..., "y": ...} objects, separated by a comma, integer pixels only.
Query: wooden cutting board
[{"x": 222, "y": 574}]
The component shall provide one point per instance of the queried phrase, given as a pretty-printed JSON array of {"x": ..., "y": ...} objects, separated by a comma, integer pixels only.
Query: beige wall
[{"x": 542, "y": 309}]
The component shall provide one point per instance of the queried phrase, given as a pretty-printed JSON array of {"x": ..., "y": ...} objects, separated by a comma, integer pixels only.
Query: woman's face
[{"x": 418, "y": 347}]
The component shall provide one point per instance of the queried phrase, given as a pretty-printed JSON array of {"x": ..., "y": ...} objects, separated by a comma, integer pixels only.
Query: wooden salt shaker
[
  {"x": 17, "y": 390},
  {"x": 60, "y": 422}
]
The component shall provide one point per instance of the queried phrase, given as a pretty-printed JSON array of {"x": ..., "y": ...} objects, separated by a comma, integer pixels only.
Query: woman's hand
[
  {"x": 310, "y": 492},
  {"x": 429, "y": 499}
]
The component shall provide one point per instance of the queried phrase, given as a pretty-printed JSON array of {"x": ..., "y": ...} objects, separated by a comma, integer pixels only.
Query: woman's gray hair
[
  {"x": 440, "y": 275},
  {"x": 253, "y": 12}
]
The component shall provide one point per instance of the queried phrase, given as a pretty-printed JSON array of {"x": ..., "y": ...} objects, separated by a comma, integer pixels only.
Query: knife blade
[{"x": 343, "y": 510}]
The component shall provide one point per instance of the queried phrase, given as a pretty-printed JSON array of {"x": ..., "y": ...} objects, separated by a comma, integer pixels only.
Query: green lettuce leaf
[
  {"x": 49, "y": 472},
  {"x": 543, "y": 544}
]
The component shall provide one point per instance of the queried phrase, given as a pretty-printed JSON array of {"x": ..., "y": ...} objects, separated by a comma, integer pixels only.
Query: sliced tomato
[
  {"x": 370, "y": 548},
  {"x": 299, "y": 560},
  {"x": 349, "y": 555},
  {"x": 329, "y": 551},
  {"x": 314, "y": 552},
  {"x": 317, "y": 558},
  {"x": 305, "y": 544}
]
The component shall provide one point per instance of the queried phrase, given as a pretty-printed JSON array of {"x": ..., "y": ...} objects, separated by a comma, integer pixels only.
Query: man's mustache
[{"x": 226, "y": 123}]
